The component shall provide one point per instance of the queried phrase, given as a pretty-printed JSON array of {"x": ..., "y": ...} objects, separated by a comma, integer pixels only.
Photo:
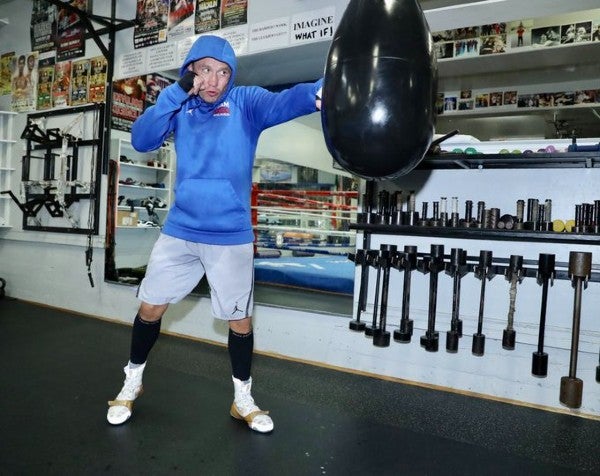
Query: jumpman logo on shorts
[{"x": 237, "y": 309}]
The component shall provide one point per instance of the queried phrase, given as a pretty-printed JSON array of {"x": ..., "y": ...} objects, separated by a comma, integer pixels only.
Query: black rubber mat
[{"x": 57, "y": 371}]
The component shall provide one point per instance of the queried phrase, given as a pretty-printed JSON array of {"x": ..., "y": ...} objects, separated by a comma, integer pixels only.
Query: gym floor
[{"x": 57, "y": 371}]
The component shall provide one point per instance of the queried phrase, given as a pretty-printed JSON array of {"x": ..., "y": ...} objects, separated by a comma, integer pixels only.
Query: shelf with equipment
[
  {"x": 7, "y": 143},
  {"x": 386, "y": 218},
  {"x": 144, "y": 185},
  {"x": 141, "y": 191},
  {"x": 555, "y": 160}
]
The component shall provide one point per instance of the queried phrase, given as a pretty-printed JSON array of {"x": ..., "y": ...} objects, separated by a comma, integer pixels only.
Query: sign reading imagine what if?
[{"x": 312, "y": 26}]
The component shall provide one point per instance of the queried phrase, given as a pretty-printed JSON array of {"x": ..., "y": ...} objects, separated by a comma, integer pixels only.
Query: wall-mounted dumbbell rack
[
  {"x": 578, "y": 270},
  {"x": 404, "y": 221}
]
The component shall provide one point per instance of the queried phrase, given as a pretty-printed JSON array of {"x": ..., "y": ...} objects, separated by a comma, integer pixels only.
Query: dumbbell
[
  {"x": 571, "y": 387},
  {"x": 433, "y": 264},
  {"x": 483, "y": 270},
  {"x": 514, "y": 274},
  {"x": 381, "y": 337},
  {"x": 545, "y": 277},
  {"x": 360, "y": 259},
  {"x": 598, "y": 370},
  {"x": 407, "y": 262},
  {"x": 373, "y": 259},
  {"x": 457, "y": 268}
]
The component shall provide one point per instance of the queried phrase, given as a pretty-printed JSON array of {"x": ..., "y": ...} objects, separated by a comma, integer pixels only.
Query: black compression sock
[
  {"x": 240, "y": 352},
  {"x": 143, "y": 337}
]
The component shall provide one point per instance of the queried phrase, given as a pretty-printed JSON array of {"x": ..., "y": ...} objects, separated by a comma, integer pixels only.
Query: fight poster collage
[{"x": 54, "y": 73}]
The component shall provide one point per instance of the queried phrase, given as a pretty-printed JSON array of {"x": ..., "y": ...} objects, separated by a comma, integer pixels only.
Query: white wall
[{"x": 49, "y": 269}]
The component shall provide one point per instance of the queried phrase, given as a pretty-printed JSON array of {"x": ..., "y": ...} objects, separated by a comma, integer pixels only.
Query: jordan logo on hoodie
[{"x": 222, "y": 109}]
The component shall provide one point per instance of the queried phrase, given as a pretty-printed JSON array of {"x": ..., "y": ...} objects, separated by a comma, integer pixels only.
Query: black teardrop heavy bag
[{"x": 380, "y": 88}]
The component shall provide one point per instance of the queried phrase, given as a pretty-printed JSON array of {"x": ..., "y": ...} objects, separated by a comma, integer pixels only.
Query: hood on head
[{"x": 211, "y": 46}]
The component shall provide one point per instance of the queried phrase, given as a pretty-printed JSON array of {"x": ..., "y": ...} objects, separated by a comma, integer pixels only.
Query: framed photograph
[
  {"x": 546, "y": 100},
  {"x": 491, "y": 45},
  {"x": 444, "y": 50},
  {"x": 450, "y": 103},
  {"x": 439, "y": 103},
  {"x": 596, "y": 32},
  {"x": 510, "y": 98},
  {"x": 465, "y": 105},
  {"x": 496, "y": 98},
  {"x": 567, "y": 33},
  {"x": 528, "y": 100},
  {"x": 564, "y": 98},
  {"x": 546, "y": 36},
  {"x": 466, "y": 48},
  {"x": 586, "y": 96},
  {"x": 440, "y": 36},
  {"x": 519, "y": 33},
  {"x": 482, "y": 100},
  {"x": 493, "y": 29},
  {"x": 466, "y": 33},
  {"x": 583, "y": 31}
]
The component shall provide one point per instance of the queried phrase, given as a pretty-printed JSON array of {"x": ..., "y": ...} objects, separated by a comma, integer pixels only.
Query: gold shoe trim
[
  {"x": 121, "y": 403},
  {"x": 234, "y": 412},
  {"x": 125, "y": 403}
]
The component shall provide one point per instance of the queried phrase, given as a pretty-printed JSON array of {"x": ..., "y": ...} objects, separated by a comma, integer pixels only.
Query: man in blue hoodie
[{"x": 208, "y": 230}]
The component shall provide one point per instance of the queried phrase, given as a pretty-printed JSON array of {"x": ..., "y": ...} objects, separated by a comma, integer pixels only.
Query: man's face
[{"x": 212, "y": 78}]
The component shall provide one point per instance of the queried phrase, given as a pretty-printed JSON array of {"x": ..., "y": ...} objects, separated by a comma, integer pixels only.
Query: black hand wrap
[{"x": 187, "y": 81}]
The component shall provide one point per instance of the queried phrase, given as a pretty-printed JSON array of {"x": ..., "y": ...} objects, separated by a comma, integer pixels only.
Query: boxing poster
[
  {"x": 70, "y": 33},
  {"x": 181, "y": 19},
  {"x": 24, "y": 82},
  {"x": 128, "y": 99},
  {"x": 97, "y": 87},
  {"x": 43, "y": 26},
  {"x": 6, "y": 68},
  {"x": 80, "y": 71},
  {"x": 151, "y": 22},
  {"x": 208, "y": 16},
  {"x": 61, "y": 87},
  {"x": 45, "y": 81},
  {"x": 234, "y": 12},
  {"x": 155, "y": 83}
]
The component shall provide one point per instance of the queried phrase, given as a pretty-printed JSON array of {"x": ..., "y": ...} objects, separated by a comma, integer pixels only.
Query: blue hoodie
[{"x": 215, "y": 146}]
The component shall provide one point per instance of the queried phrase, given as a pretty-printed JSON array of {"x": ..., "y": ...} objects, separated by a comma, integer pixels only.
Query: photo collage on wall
[
  {"x": 560, "y": 98},
  {"x": 159, "y": 21},
  {"x": 50, "y": 75},
  {"x": 497, "y": 38},
  {"x": 502, "y": 37},
  {"x": 471, "y": 41},
  {"x": 468, "y": 100}
]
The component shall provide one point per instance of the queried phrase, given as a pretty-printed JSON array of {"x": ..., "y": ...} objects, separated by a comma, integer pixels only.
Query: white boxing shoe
[
  {"x": 244, "y": 408},
  {"x": 120, "y": 409}
]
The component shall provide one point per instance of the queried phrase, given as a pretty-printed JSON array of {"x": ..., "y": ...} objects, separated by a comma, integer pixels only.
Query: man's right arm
[{"x": 150, "y": 130}]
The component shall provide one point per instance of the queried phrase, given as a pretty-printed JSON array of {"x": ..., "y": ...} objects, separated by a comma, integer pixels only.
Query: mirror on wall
[{"x": 301, "y": 216}]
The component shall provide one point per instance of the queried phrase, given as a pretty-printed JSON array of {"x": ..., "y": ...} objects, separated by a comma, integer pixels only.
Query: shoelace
[
  {"x": 245, "y": 403},
  {"x": 129, "y": 388}
]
